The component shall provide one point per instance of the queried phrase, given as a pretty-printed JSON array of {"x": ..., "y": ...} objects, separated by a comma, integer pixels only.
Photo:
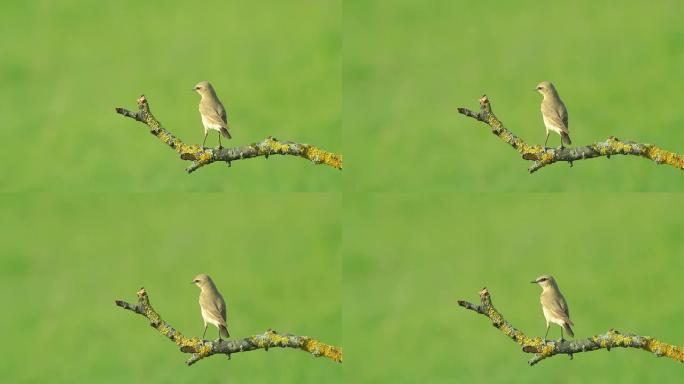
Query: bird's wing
[
  {"x": 213, "y": 308},
  {"x": 221, "y": 305},
  {"x": 557, "y": 307},
  {"x": 564, "y": 307},
  {"x": 555, "y": 116},
  {"x": 222, "y": 113},
  {"x": 212, "y": 115},
  {"x": 563, "y": 113}
]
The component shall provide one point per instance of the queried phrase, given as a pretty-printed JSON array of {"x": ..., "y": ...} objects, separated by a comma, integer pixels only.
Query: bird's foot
[
  {"x": 562, "y": 339},
  {"x": 220, "y": 147}
]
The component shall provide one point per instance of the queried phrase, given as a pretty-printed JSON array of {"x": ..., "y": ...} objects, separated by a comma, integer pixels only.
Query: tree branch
[
  {"x": 542, "y": 350},
  {"x": 542, "y": 157},
  {"x": 204, "y": 348},
  {"x": 203, "y": 156}
]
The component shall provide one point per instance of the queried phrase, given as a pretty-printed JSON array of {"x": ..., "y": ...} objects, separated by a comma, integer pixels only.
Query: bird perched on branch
[
  {"x": 212, "y": 305},
  {"x": 554, "y": 113},
  {"x": 212, "y": 111},
  {"x": 553, "y": 305}
]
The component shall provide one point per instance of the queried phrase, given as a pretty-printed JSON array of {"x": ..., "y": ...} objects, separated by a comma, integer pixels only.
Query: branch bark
[
  {"x": 205, "y": 348},
  {"x": 204, "y": 156},
  {"x": 542, "y": 350},
  {"x": 542, "y": 157}
]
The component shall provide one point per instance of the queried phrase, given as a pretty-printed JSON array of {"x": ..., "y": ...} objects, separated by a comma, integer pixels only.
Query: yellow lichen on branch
[
  {"x": 320, "y": 156},
  {"x": 543, "y": 349},
  {"x": 542, "y": 157},
  {"x": 203, "y": 156},
  {"x": 204, "y": 348},
  {"x": 317, "y": 348}
]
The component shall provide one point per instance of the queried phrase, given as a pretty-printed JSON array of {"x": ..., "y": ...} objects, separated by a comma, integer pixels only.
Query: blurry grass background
[
  {"x": 65, "y": 259},
  {"x": 617, "y": 260},
  {"x": 408, "y": 65},
  {"x": 67, "y": 64},
  {"x": 277, "y": 258}
]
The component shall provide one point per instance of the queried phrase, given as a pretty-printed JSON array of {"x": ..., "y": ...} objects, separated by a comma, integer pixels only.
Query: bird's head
[
  {"x": 203, "y": 88},
  {"x": 545, "y": 88},
  {"x": 544, "y": 281},
  {"x": 202, "y": 281}
]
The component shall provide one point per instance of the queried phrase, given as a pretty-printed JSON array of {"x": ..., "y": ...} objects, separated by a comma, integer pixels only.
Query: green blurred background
[
  {"x": 278, "y": 257},
  {"x": 618, "y": 261},
  {"x": 65, "y": 259},
  {"x": 67, "y": 64},
  {"x": 408, "y": 65}
]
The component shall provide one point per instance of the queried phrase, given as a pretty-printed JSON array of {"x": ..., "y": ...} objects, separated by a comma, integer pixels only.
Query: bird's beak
[
  {"x": 192, "y": 282},
  {"x": 533, "y": 282}
]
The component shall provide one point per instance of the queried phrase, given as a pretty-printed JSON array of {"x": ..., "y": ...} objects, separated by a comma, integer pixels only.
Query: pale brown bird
[
  {"x": 212, "y": 111},
  {"x": 553, "y": 303},
  {"x": 212, "y": 305},
  {"x": 554, "y": 113}
]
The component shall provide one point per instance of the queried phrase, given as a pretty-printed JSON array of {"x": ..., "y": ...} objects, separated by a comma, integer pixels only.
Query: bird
[
  {"x": 554, "y": 113},
  {"x": 212, "y": 305},
  {"x": 553, "y": 305},
  {"x": 212, "y": 111}
]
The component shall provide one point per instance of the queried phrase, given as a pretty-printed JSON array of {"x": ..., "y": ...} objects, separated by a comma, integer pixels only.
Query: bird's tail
[
  {"x": 567, "y": 328},
  {"x": 223, "y": 331},
  {"x": 566, "y": 138},
  {"x": 226, "y": 134}
]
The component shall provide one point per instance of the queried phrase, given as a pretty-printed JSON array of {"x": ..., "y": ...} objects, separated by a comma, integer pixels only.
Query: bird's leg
[
  {"x": 547, "y": 139},
  {"x": 205, "y": 331},
  {"x": 562, "y": 339},
  {"x": 204, "y": 142},
  {"x": 218, "y": 329},
  {"x": 219, "y": 135},
  {"x": 561, "y": 139},
  {"x": 547, "y": 332}
]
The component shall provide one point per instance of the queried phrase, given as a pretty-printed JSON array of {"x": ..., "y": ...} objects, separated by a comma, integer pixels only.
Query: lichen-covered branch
[
  {"x": 205, "y": 348},
  {"x": 542, "y": 157},
  {"x": 542, "y": 350},
  {"x": 203, "y": 156}
]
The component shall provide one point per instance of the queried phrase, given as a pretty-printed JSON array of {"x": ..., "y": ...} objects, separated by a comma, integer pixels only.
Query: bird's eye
[
  {"x": 538, "y": 87},
  {"x": 196, "y": 281}
]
